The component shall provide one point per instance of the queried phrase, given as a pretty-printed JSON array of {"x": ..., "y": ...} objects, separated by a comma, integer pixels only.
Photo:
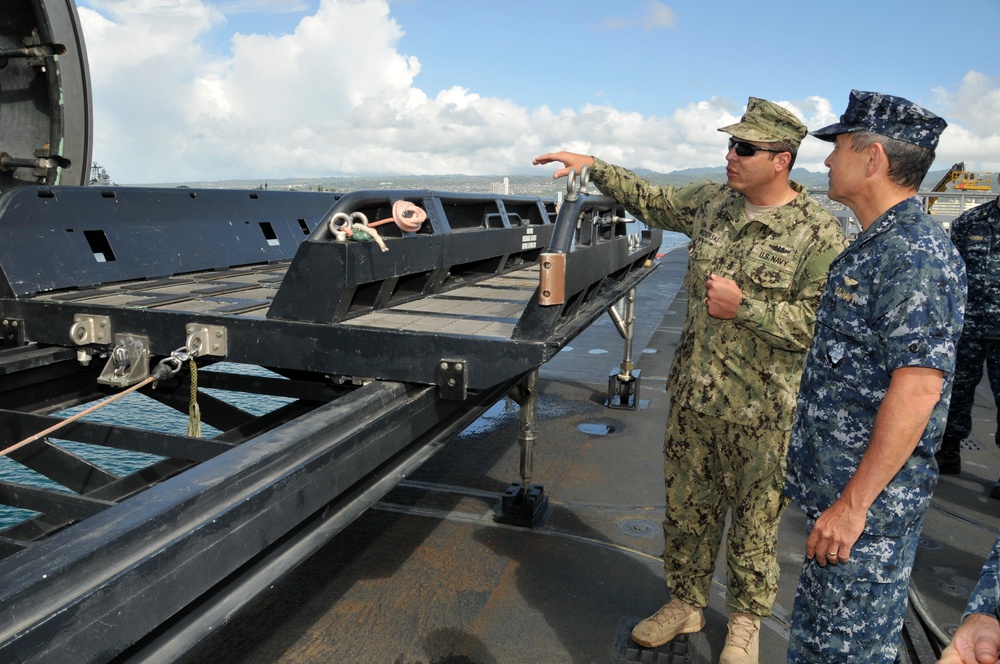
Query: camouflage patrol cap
[
  {"x": 886, "y": 115},
  {"x": 766, "y": 122}
]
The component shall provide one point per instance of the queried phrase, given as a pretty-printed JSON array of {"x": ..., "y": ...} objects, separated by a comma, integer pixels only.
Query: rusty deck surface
[{"x": 427, "y": 576}]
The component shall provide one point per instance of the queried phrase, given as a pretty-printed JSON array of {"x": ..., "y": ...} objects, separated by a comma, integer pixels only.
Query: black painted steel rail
[{"x": 376, "y": 359}]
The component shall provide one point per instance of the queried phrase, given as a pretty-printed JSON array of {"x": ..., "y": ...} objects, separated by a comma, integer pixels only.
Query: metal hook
[
  {"x": 337, "y": 223},
  {"x": 584, "y": 179},
  {"x": 572, "y": 186},
  {"x": 181, "y": 354},
  {"x": 120, "y": 360}
]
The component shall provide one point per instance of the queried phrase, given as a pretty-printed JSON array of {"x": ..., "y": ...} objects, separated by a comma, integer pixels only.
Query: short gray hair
[{"x": 908, "y": 163}]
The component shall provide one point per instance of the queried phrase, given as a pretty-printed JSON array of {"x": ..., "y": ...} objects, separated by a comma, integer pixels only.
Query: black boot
[{"x": 949, "y": 458}]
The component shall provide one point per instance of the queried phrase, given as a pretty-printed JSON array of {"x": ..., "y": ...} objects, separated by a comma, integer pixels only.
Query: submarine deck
[{"x": 426, "y": 575}]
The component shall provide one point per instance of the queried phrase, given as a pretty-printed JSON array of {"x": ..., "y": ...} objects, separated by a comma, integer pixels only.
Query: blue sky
[{"x": 218, "y": 89}]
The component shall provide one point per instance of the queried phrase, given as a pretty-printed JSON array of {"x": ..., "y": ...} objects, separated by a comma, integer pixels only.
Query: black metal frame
[
  {"x": 98, "y": 572},
  {"x": 316, "y": 321},
  {"x": 85, "y": 596}
]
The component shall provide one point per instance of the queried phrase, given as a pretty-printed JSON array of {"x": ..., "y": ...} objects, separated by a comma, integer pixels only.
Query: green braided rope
[{"x": 194, "y": 412}]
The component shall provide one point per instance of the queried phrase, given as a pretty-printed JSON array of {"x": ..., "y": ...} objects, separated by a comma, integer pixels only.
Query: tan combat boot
[
  {"x": 675, "y": 617},
  {"x": 743, "y": 640}
]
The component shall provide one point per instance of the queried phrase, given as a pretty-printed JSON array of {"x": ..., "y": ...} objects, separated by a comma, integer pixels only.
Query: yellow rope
[{"x": 194, "y": 412}]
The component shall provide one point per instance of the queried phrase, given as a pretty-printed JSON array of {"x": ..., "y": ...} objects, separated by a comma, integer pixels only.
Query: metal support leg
[
  {"x": 520, "y": 506},
  {"x": 623, "y": 385}
]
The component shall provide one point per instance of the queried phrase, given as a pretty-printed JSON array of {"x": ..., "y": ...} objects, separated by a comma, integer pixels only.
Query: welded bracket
[
  {"x": 90, "y": 330},
  {"x": 453, "y": 379},
  {"x": 205, "y": 340},
  {"x": 128, "y": 363},
  {"x": 13, "y": 333},
  {"x": 87, "y": 331},
  {"x": 552, "y": 279}
]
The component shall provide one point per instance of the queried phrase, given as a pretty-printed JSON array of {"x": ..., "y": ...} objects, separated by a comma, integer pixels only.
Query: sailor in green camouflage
[
  {"x": 705, "y": 474},
  {"x": 744, "y": 370},
  {"x": 759, "y": 252}
]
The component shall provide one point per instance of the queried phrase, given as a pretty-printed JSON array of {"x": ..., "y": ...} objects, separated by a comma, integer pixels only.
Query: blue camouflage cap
[{"x": 886, "y": 115}]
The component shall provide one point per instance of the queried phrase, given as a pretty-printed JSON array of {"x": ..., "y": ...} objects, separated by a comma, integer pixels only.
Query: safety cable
[
  {"x": 73, "y": 418},
  {"x": 167, "y": 367}
]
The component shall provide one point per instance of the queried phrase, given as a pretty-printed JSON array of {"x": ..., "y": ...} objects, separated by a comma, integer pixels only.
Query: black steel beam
[
  {"x": 57, "y": 504},
  {"x": 28, "y": 373},
  {"x": 329, "y": 281},
  {"x": 16, "y": 426},
  {"x": 59, "y": 465},
  {"x": 199, "y": 620},
  {"x": 93, "y": 590}
]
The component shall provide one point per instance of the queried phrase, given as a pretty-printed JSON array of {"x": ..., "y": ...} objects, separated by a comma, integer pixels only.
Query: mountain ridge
[{"x": 531, "y": 185}]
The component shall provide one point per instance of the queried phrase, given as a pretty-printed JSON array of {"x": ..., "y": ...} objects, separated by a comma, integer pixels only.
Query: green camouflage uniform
[{"x": 733, "y": 382}]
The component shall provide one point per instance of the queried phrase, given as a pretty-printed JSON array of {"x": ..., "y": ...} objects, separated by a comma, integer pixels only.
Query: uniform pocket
[{"x": 767, "y": 275}]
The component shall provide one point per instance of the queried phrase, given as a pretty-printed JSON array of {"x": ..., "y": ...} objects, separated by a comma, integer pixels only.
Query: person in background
[
  {"x": 874, "y": 394},
  {"x": 759, "y": 252},
  {"x": 976, "y": 233},
  {"x": 977, "y": 639}
]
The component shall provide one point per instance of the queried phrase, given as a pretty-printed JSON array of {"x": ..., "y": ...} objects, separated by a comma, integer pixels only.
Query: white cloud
[
  {"x": 338, "y": 97},
  {"x": 973, "y": 133},
  {"x": 263, "y": 6},
  {"x": 658, "y": 15},
  {"x": 655, "y": 15}
]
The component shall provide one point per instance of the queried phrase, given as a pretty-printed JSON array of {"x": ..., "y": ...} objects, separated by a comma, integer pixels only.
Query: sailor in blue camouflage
[
  {"x": 734, "y": 378},
  {"x": 985, "y": 597},
  {"x": 976, "y": 234},
  {"x": 891, "y": 313},
  {"x": 889, "y": 116},
  {"x": 977, "y": 639},
  {"x": 866, "y": 593}
]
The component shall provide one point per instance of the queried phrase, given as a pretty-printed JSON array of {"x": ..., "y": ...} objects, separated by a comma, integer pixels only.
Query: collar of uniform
[
  {"x": 774, "y": 218},
  {"x": 888, "y": 219}
]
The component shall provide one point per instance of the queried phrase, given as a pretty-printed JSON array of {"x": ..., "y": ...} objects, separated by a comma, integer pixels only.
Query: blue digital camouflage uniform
[
  {"x": 865, "y": 597},
  {"x": 889, "y": 116},
  {"x": 733, "y": 382},
  {"x": 893, "y": 299},
  {"x": 985, "y": 597},
  {"x": 976, "y": 234}
]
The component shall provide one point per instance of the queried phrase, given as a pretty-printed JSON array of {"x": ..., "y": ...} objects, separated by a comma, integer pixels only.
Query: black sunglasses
[{"x": 744, "y": 149}]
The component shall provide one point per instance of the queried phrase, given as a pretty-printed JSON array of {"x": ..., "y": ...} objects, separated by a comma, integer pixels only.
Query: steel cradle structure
[
  {"x": 381, "y": 356},
  {"x": 176, "y": 297}
]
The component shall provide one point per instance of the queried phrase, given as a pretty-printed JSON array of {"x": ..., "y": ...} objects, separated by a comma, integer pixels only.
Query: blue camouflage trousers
[
  {"x": 852, "y": 612},
  {"x": 973, "y": 351},
  {"x": 710, "y": 467}
]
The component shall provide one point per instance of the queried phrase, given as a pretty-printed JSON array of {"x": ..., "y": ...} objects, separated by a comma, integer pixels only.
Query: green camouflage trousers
[{"x": 712, "y": 466}]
